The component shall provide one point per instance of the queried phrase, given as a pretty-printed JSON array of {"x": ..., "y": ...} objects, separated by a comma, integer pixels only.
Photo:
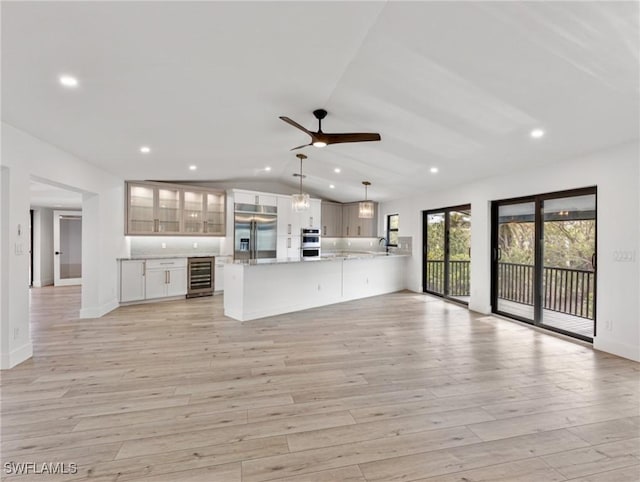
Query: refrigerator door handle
[{"x": 254, "y": 232}]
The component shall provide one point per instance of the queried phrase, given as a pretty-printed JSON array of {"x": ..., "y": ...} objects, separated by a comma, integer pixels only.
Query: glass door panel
[
  {"x": 67, "y": 245},
  {"x": 168, "y": 211},
  {"x": 568, "y": 271},
  {"x": 215, "y": 214},
  {"x": 459, "y": 259},
  {"x": 141, "y": 216},
  {"x": 515, "y": 257},
  {"x": 435, "y": 253},
  {"x": 193, "y": 212}
]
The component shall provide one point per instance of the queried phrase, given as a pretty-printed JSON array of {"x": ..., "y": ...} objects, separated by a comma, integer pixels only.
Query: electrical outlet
[
  {"x": 622, "y": 256},
  {"x": 195, "y": 245},
  {"x": 319, "y": 287},
  {"x": 16, "y": 333},
  {"x": 608, "y": 325},
  {"x": 163, "y": 245}
]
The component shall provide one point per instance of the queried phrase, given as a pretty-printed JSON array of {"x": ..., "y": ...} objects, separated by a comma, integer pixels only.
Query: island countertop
[{"x": 331, "y": 257}]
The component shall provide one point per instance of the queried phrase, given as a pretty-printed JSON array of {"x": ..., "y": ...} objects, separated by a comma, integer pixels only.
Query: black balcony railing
[
  {"x": 458, "y": 277},
  {"x": 565, "y": 290}
]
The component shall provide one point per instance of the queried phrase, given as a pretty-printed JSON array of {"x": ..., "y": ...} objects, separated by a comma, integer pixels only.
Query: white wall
[
  {"x": 615, "y": 172},
  {"x": 42, "y": 247},
  {"x": 24, "y": 158}
]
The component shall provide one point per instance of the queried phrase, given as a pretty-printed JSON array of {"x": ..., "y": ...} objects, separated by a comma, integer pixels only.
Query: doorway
[
  {"x": 447, "y": 253},
  {"x": 67, "y": 245},
  {"x": 544, "y": 261}
]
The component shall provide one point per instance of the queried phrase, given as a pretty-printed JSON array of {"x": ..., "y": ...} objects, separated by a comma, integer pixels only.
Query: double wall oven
[{"x": 310, "y": 243}]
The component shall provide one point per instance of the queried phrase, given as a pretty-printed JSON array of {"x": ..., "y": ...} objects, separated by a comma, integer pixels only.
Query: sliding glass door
[
  {"x": 447, "y": 252},
  {"x": 569, "y": 255},
  {"x": 515, "y": 253},
  {"x": 544, "y": 261}
]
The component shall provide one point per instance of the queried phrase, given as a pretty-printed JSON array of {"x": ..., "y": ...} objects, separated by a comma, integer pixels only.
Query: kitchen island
[{"x": 261, "y": 288}]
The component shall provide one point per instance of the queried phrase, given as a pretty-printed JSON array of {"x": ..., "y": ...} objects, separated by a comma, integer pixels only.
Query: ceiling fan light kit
[
  {"x": 300, "y": 202},
  {"x": 322, "y": 139},
  {"x": 366, "y": 208}
]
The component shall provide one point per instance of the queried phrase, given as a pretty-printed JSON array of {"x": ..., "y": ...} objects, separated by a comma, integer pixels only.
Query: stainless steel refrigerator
[{"x": 255, "y": 234}]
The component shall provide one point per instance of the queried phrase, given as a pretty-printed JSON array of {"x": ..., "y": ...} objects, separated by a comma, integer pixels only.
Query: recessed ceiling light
[
  {"x": 433, "y": 170},
  {"x": 337, "y": 170},
  {"x": 68, "y": 81},
  {"x": 331, "y": 186},
  {"x": 536, "y": 133},
  {"x": 268, "y": 168},
  {"x": 145, "y": 149},
  {"x": 192, "y": 167}
]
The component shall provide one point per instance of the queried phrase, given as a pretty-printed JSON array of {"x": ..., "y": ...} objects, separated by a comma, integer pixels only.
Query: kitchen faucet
[{"x": 386, "y": 243}]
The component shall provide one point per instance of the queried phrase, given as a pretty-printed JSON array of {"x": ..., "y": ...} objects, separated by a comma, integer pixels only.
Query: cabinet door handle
[
  {"x": 204, "y": 226},
  {"x": 324, "y": 230},
  {"x": 257, "y": 200},
  {"x": 310, "y": 221},
  {"x": 168, "y": 277},
  {"x": 144, "y": 268},
  {"x": 288, "y": 242},
  {"x": 156, "y": 224},
  {"x": 358, "y": 230},
  {"x": 347, "y": 230},
  {"x": 289, "y": 228},
  {"x": 165, "y": 277}
]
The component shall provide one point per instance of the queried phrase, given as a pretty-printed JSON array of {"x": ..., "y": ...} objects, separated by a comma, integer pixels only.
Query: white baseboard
[
  {"x": 624, "y": 350},
  {"x": 98, "y": 311},
  {"x": 42, "y": 282},
  {"x": 17, "y": 356}
]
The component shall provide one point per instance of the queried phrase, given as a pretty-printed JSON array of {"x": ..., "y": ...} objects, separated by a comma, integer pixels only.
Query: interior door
[{"x": 67, "y": 247}]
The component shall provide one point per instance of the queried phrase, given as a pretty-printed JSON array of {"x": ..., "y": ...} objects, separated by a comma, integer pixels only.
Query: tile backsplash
[
  {"x": 175, "y": 245},
  {"x": 332, "y": 245}
]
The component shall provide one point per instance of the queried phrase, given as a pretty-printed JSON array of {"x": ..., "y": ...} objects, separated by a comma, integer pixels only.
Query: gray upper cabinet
[
  {"x": 331, "y": 219},
  {"x": 341, "y": 220},
  {"x": 175, "y": 210}
]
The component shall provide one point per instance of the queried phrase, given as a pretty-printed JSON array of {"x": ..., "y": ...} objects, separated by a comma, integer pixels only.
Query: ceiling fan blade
[
  {"x": 300, "y": 147},
  {"x": 351, "y": 137},
  {"x": 296, "y": 125}
]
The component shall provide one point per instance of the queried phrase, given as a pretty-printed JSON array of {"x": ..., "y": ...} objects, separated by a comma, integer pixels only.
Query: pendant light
[
  {"x": 300, "y": 202},
  {"x": 366, "y": 207}
]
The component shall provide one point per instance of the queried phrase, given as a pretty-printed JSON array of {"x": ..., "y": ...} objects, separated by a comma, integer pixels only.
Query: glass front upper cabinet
[{"x": 174, "y": 210}]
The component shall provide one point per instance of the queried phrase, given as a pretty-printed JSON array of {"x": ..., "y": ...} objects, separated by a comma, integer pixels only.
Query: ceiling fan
[{"x": 322, "y": 139}]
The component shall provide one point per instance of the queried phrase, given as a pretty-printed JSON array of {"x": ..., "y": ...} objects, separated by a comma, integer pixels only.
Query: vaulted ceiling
[{"x": 453, "y": 85}]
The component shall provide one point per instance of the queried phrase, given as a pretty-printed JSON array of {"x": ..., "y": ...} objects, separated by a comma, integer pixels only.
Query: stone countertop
[
  {"x": 331, "y": 257},
  {"x": 171, "y": 256}
]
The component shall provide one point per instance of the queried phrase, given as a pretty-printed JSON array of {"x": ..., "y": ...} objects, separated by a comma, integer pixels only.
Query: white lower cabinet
[
  {"x": 132, "y": 280},
  {"x": 166, "y": 277},
  {"x": 152, "y": 278}
]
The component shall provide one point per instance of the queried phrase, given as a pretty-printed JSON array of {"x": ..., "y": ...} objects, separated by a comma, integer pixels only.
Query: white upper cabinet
[{"x": 257, "y": 198}]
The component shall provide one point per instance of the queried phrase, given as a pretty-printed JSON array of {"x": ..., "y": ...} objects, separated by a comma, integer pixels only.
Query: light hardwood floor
[{"x": 397, "y": 387}]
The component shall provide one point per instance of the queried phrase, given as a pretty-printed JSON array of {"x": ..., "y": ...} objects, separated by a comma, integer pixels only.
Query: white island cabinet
[{"x": 272, "y": 287}]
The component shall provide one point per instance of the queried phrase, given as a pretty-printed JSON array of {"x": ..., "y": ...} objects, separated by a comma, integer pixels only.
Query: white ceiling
[{"x": 457, "y": 85}]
